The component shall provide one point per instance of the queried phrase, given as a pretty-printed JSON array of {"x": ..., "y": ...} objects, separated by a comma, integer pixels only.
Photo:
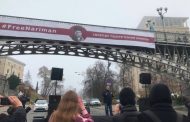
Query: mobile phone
[{"x": 5, "y": 101}]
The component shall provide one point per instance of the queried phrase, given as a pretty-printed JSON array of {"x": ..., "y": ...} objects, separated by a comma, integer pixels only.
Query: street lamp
[
  {"x": 90, "y": 81},
  {"x": 108, "y": 72},
  {"x": 5, "y": 83},
  {"x": 161, "y": 11}
]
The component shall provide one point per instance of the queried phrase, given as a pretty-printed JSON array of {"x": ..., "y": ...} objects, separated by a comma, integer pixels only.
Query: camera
[{"x": 5, "y": 101}]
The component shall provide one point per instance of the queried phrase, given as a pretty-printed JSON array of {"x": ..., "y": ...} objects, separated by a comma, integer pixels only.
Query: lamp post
[
  {"x": 5, "y": 83},
  {"x": 90, "y": 81},
  {"x": 108, "y": 73},
  {"x": 80, "y": 74},
  {"x": 161, "y": 11}
]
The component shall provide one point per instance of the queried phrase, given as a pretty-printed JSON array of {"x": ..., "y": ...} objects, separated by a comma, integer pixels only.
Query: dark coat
[
  {"x": 129, "y": 114},
  {"x": 102, "y": 118},
  {"x": 19, "y": 115},
  {"x": 107, "y": 97},
  {"x": 164, "y": 112},
  {"x": 187, "y": 104}
]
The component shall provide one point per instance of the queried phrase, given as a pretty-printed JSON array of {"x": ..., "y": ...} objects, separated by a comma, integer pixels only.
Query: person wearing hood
[
  {"x": 161, "y": 109},
  {"x": 126, "y": 110}
]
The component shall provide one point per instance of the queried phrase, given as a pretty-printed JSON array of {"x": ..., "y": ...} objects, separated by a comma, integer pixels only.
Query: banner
[{"x": 63, "y": 31}]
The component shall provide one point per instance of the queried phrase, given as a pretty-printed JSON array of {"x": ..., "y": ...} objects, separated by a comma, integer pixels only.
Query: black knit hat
[
  {"x": 160, "y": 93},
  {"x": 127, "y": 97}
]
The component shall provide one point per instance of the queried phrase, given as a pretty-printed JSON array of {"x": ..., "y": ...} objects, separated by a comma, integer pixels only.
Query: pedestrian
[
  {"x": 70, "y": 109},
  {"x": 107, "y": 97},
  {"x": 126, "y": 110},
  {"x": 161, "y": 109}
]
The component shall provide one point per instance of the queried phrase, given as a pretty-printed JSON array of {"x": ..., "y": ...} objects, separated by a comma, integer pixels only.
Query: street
[{"x": 95, "y": 111}]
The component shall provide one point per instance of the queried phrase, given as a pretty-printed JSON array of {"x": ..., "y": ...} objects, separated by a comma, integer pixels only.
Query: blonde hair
[{"x": 67, "y": 109}]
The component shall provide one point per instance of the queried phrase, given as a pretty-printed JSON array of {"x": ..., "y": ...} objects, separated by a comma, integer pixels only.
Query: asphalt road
[
  {"x": 33, "y": 114},
  {"x": 98, "y": 111}
]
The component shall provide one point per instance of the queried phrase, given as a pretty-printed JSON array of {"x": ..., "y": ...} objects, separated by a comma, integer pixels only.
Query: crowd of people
[
  {"x": 160, "y": 107},
  {"x": 72, "y": 109}
]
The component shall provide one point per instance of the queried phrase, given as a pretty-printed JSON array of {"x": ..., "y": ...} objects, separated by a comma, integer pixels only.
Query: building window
[{"x": 7, "y": 71}]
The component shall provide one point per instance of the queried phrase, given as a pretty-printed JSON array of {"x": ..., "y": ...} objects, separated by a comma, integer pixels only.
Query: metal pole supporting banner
[{"x": 55, "y": 87}]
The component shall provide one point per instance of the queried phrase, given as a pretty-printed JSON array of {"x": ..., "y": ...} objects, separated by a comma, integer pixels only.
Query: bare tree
[
  {"x": 174, "y": 84},
  {"x": 28, "y": 79},
  {"x": 44, "y": 73},
  {"x": 95, "y": 80},
  {"x": 48, "y": 86},
  {"x": 125, "y": 75}
]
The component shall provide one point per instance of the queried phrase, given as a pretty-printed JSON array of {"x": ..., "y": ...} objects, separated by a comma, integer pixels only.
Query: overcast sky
[{"x": 117, "y": 13}]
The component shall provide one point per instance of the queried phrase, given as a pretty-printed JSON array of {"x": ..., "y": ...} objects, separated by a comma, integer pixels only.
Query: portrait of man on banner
[{"x": 78, "y": 33}]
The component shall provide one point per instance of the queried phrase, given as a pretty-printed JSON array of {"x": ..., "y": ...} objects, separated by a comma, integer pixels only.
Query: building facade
[
  {"x": 9, "y": 66},
  {"x": 169, "y": 24},
  {"x": 152, "y": 23}
]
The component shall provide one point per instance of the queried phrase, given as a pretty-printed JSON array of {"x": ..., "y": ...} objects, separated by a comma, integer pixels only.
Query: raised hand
[
  {"x": 15, "y": 101},
  {"x": 81, "y": 104}
]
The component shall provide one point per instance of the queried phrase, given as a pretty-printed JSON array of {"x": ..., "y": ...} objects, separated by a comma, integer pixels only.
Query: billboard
[{"x": 63, "y": 31}]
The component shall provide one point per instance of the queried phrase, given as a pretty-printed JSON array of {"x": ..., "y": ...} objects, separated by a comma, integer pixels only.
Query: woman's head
[{"x": 68, "y": 108}]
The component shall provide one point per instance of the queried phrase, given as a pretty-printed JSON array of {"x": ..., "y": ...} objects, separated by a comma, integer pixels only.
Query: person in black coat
[
  {"x": 127, "y": 109},
  {"x": 161, "y": 109},
  {"x": 187, "y": 104},
  {"x": 107, "y": 97},
  {"x": 17, "y": 114}
]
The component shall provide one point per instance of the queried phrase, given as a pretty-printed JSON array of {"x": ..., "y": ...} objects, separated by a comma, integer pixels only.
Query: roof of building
[
  {"x": 13, "y": 59},
  {"x": 169, "y": 21}
]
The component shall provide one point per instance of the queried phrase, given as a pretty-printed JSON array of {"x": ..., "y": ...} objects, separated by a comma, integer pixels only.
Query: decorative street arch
[{"x": 143, "y": 49}]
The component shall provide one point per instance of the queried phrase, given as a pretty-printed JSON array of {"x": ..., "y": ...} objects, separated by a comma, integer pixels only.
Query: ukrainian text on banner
[{"x": 54, "y": 30}]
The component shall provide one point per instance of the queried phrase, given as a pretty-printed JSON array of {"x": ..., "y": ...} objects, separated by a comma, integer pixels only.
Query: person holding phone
[
  {"x": 70, "y": 109},
  {"x": 18, "y": 112}
]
